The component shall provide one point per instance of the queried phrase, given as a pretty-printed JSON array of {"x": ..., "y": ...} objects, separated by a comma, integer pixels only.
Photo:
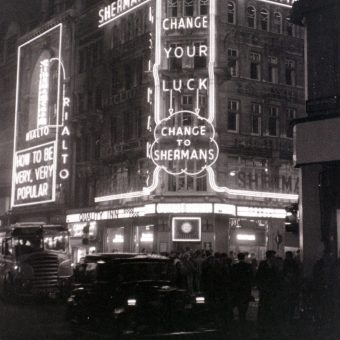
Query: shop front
[{"x": 165, "y": 227}]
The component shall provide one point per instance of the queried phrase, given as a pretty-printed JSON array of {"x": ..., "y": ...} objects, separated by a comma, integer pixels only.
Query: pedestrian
[
  {"x": 198, "y": 260},
  {"x": 269, "y": 285},
  {"x": 291, "y": 287},
  {"x": 241, "y": 283},
  {"x": 188, "y": 270}
]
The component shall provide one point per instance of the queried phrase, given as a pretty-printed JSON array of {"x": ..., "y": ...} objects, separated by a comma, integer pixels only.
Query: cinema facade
[{"x": 179, "y": 128}]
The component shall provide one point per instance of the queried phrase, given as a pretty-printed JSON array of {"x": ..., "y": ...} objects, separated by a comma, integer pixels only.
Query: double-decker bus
[{"x": 35, "y": 260}]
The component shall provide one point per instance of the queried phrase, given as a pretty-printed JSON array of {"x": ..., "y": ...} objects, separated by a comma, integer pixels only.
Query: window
[
  {"x": 273, "y": 121},
  {"x": 172, "y": 8},
  {"x": 139, "y": 123},
  {"x": 82, "y": 60},
  {"x": 11, "y": 45},
  {"x": 233, "y": 62},
  {"x": 233, "y": 116},
  {"x": 200, "y": 60},
  {"x": 175, "y": 64},
  {"x": 204, "y": 7},
  {"x": 187, "y": 104},
  {"x": 128, "y": 125},
  {"x": 188, "y": 8},
  {"x": 231, "y": 17},
  {"x": 291, "y": 114},
  {"x": 81, "y": 103},
  {"x": 98, "y": 98},
  {"x": 277, "y": 23},
  {"x": 114, "y": 136},
  {"x": 290, "y": 72},
  {"x": 251, "y": 17},
  {"x": 264, "y": 20},
  {"x": 290, "y": 28},
  {"x": 202, "y": 102},
  {"x": 187, "y": 183},
  {"x": 256, "y": 118},
  {"x": 128, "y": 76},
  {"x": 273, "y": 74},
  {"x": 255, "y": 66}
]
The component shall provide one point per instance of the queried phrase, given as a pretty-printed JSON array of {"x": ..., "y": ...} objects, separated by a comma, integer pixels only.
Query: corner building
[
  {"x": 142, "y": 80},
  {"x": 179, "y": 126}
]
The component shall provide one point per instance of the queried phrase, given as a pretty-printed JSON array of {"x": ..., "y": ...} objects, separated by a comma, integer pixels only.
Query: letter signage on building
[
  {"x": 184, "y": 149},
  {"x": 118, "y": 9},
  {"x": 41, "y": 136}
]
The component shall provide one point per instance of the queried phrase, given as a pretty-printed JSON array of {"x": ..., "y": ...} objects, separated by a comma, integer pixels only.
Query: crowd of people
[{"x": 228, "y": 281}]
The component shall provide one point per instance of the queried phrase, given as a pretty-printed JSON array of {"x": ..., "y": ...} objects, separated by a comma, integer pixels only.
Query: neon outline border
[
  {"x": 211, "y": 118},
  {"x": 276, "y": 3},
  {"x": 184, "y": 171},
  {"x": 199, "y": 219},
  {"x": 121, "y": 14},
  {"x": 55, "y": 159}
]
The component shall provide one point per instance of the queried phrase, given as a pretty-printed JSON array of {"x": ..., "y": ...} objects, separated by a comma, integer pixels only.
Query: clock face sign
[{"x": 186, "y": 227}]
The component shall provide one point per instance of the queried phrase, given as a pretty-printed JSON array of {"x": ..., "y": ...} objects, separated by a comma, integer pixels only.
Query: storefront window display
[{"x": 248, "y": 236}]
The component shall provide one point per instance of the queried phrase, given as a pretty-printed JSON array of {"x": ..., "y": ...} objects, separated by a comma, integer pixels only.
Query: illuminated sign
[
  {"x": 245, "y": 237},
  {"x": 176, "y": 146},
  {"x": 118, "y": 9},
  {"x": 261, "y": 212},
  {"x": 175, "y": 23},
  {"x": 186, "y": 229},
  {"x": 44, "y": 80},
  {"x": 149, "y": 209},
  {"x": 41, "y": 134},
  {"x": 34, "y": 173},
  {"x": 283, "y": 3},
  {"x": 118, "y": 238},
  {"x": 146, "y": 237}
]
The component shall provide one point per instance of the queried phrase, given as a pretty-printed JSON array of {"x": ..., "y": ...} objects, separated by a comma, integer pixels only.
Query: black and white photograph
[{"x": 169, "y": 169}]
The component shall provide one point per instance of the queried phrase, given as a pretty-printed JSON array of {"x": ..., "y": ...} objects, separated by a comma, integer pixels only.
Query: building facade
[
  {"x": 317, "y": 141},
  {"x": 178, "y": 129}
]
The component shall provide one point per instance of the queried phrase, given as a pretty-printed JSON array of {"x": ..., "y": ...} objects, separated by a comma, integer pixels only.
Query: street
[
  {"x": 33, "y": 321},
  {"x": 46, "y": 320}
]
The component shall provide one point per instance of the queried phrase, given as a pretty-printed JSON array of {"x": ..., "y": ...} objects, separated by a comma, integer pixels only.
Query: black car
[{"x": 134, "y": 294}]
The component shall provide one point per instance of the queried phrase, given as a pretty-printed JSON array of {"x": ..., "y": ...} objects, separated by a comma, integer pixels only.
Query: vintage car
[{"x": 134, "y": 294}]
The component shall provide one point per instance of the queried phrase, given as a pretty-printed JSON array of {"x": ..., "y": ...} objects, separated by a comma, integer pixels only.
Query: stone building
[{"x": 179, "y": 125}]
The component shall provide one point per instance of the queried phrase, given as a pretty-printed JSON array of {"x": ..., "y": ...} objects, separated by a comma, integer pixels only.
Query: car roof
[
  {"x": 124, "y": 257},
  {"x": 108, "y": 256}
]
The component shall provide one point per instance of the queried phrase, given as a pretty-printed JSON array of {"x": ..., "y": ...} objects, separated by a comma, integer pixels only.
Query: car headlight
[
  {"x": 200, "y": 299},
  {"x": 118, "y": 310},
  {"x": 131, "y": 302}
]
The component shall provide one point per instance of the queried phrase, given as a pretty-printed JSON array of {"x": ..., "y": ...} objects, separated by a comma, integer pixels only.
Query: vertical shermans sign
[{"x": 41, "y": 134}]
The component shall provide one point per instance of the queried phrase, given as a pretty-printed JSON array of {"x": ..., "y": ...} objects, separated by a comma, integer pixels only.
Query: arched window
[
  {"x": 231, "y": 15},
  {"x": 290, "y": 28},
  {"x": 251, "y": 17},
  {"x": 172, "y": 8},
  {"x": 277, "y": 23},
  {"x": 204, "y": 7},
  {"x": 264, "y": 20},
  {"x": 188, "y": 8},
  {"x": 10, "y": 40}
]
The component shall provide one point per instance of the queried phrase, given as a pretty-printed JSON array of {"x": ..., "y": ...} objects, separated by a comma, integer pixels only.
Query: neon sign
[
  {"x": 117, "y": 9},
  {"x": 38, "y": 152},
  {"x": 182, "y": 144},
  {"x": 43, "y": 92}
]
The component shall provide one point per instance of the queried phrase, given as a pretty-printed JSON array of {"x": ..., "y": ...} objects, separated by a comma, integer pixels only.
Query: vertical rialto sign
[{"x": 41, "y": 134}]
